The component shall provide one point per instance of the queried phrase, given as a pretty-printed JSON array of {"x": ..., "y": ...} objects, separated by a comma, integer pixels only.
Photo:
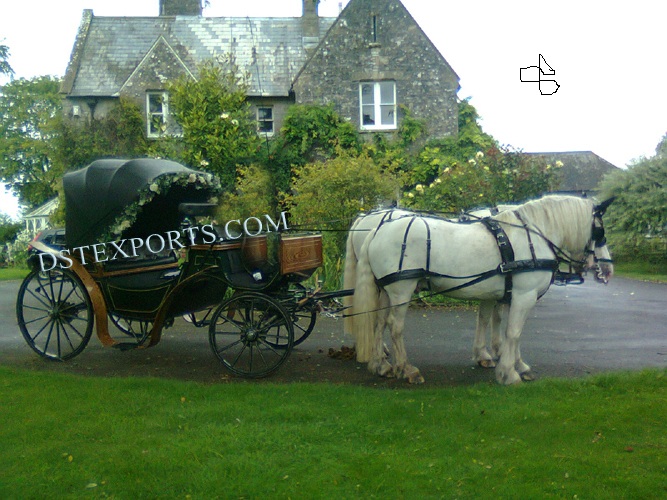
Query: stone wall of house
[
  {"x": 280, "y": 106},
  {"x": 376, "y": 40}
]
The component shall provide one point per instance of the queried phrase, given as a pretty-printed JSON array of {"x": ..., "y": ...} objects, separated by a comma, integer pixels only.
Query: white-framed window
[
  {"x": 157, "y": 112},
  {"x": 377, "y": 105},
  {"x": 265, "y": 120}
]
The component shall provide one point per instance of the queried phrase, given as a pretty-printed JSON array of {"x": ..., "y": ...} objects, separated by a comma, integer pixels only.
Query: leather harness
[{"x": 507, "y": 267}]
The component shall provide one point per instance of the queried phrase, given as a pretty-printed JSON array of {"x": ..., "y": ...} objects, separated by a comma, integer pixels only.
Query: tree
[
  {"x": 8, "y": 229},
  {"x": 636, "y": 222},
  {"x": 5, "y": 68},
  {"x": 28, "y": 110},
  {"x": 438, "y": 154},
  {"x": 309, "y": 133},
  {"x": 120, "y": 133},
  {"x": 219, "y": 131}
]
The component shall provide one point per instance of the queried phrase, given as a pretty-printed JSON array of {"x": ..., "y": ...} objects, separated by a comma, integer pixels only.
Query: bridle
[{"x": 576, "y": 267}]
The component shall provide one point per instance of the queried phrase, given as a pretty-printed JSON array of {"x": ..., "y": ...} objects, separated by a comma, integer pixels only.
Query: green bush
[
  {"x": 636, "y": 223},
  {"x": 501, "y": 175},
  {"x": 329, "y": 195}
]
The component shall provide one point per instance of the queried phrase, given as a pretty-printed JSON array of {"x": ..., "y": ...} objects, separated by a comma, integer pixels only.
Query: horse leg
[
  {"x": 518, "y": 313},
  {"x": 378, "y": 362},
  {"x": 401, "y": 367},
  {"x": 479, "y": 352},
  {"x": 499, "y": 311}
]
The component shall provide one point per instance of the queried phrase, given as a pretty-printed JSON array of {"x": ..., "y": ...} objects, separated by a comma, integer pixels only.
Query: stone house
[{"x": 371, "y": 62}]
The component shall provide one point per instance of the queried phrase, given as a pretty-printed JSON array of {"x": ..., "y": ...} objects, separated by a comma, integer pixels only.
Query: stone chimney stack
[
  {"x": 181, "y": 7},
  {"x": 311, "y": 24}
]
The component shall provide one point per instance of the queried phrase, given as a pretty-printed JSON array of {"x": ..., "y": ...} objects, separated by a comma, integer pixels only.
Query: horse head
[{"x": 599, "y": 257}]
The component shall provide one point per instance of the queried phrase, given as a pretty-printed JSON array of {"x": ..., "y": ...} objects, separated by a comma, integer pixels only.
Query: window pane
[
  {"x": 265, "y": 127},
  {"x": 368, "y": 113},
  {"x": 155, "y": 103},
  {"x": 156, "y": 124},
  {"x": 387, "y": 92},
  {"x": 388, "y": 114},
  {"x": 367, "y": 93},
  {"x": 265, "y": 113}
]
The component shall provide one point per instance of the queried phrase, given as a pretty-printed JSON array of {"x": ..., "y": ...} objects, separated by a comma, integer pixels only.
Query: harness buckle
[{"x": 506, "y": 267}]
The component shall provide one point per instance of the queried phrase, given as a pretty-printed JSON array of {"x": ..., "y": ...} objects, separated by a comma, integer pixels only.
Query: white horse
[
  {"x": 489, "y": 313},
  {"x": 464, "y": 262}
]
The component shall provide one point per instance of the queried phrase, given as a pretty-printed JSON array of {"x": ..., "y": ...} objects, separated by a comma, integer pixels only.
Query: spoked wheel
[
  {"x": 304, "y": 317},
  {"x": 304, "y": 322},
  {"x": 134, "y": 328},
  {"x": 251, "y": 334},
  {"x": 55, "y": 314}
]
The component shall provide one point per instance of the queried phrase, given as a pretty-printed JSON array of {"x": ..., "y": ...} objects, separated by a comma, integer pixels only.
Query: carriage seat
[{"x": 248, "y": 274}]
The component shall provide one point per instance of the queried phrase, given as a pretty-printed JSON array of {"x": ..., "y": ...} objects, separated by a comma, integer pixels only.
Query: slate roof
[
  {"x": 582, "y": 170},
  {"x": 108, "y": 49}
]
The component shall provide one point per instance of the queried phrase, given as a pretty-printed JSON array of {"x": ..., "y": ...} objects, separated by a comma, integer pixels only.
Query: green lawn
[
  {"x": 84, "y": 437},
  {"x": 644, "y": 271},
  {"x": 13, "y": 273}
]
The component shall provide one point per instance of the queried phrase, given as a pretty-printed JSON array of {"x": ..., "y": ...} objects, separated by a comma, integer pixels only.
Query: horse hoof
[
  {"x": 416, "y": 379},
  {"x": 528, "y": 376},
  {"x": 486, "y": 363},
  {"x": 509, "y": 378}
]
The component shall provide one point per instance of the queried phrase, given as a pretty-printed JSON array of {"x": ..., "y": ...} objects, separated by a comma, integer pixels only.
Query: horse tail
[
  {"x": 366, "y": 302},
  {"x": 349, "y": 281}
]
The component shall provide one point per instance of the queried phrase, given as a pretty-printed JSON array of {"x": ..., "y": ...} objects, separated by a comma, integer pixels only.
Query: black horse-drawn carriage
[{"x": 139, "y": 256}]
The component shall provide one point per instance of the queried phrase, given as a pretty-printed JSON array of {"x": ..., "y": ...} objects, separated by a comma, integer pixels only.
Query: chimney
[
  {"x": 180, "y": 8},
  {"x": 311, "y": 24}
]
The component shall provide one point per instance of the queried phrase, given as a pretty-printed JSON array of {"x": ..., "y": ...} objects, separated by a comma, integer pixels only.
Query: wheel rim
[
  {"x": 251, "y": 334},
  {"x": 55, "y": 314},
  {"x": 304, "y": 322}
]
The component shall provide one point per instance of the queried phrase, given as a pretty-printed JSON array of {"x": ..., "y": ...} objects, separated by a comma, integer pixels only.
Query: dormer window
[
  {"x": 377, "y": 105},
  {"x": 156, "y": 113}
]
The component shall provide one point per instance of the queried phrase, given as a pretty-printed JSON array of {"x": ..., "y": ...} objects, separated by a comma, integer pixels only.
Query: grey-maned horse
[
  {"x": 541, "y": 232},
  {"x": 489, "y": 312}
]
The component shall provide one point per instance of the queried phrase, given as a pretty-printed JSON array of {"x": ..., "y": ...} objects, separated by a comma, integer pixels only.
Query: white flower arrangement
[
  {"x": 162, "y": 184},
  {"x": 479, "y": 155}
]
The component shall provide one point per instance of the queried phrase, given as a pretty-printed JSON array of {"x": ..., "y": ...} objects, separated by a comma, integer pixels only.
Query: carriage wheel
[
  {"x": 303, "y": 318},
  {"x": 251, "y": 334},
  {"x": 304, "y": 322},
  {"x": 134, "y": 328},
  {"x": 55, "y": 314}
]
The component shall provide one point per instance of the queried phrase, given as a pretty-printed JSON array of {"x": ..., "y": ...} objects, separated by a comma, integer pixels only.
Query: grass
[
  {"x": 13, "y": 273},
  {"x": 642, "y": 270},
  {"x": 83, "y": 437}
]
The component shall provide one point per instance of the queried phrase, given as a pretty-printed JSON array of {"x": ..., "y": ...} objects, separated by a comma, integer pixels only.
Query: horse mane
[{"x": 565, "y": 220}]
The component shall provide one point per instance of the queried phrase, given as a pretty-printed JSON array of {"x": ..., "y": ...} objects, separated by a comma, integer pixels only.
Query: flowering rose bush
[{"x": 500, "y": 175}]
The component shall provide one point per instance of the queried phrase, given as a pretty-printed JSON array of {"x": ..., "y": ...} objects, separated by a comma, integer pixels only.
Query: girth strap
[{"x": 506, "y": 254}]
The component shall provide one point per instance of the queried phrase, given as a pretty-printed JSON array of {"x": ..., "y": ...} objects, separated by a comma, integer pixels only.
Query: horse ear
[{"x": 602, "y": 207}]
